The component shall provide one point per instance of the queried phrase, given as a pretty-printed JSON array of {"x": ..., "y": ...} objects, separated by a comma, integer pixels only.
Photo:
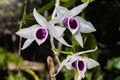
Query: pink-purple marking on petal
[{"x": 65, "y": 22}]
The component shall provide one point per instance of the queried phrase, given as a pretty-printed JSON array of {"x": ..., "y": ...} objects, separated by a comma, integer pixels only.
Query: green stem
[{"x": 31, "y": 73}]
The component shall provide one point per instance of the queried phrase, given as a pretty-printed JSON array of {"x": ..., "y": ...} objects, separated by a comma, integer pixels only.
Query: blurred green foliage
[
  {"x": 13, "y": 76},
  {"x": 6, "y": 57},
  {"x": 114, "y": 64}
]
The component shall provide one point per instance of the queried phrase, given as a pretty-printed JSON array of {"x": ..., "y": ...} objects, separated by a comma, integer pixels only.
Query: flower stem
[
  {"x": 51, "y": 37},
  {"x": 31, "y": 73},
  {"x": 20, "y": 40},
  {"x": 77, "y": 75}
]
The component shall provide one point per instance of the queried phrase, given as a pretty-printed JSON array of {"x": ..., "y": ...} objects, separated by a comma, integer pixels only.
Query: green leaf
[
  {"x": 41, "y": 10},
  {"x": 69, "y": 3},
  {"x": 90, "y": 43},
  {"x": 86, "y": 0}
]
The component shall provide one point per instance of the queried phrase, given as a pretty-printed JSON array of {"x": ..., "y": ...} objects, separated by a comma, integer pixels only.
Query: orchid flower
[
  {"x": 79, "y": 63},
  {"x": 75, "y": 24},
  {"x": 39, "y": 32}
]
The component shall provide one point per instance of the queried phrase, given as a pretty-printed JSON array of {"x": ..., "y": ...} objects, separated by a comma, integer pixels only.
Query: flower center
[
  {"x": 73, "y": 23},
  {"x": 81, "y": 65},
  {"x": 41, "y": 33}
]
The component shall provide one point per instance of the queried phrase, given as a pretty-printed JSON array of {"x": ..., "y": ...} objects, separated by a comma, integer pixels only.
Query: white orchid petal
[
  {"x": 63, "y": 63},
  {"x": 57, "y": 2},
  {"x": 91, "y": 63},
  {"x": 40, "y": 41},
  {"x": 40, "y": 19},
  {"x": 68, "y": 64},
  {"x": 61, "y": 11},
  {"x": 85, "y": 26},
  {"x": 78, "y": 37},
  {"x": 87, "y": 51},
  {"x": 55, "y": 20},
  {"x": 28, "y": 32},
  {"x": 75, "y": 11},
  {"x": 27, "y": 43},
  {"x": 56, "y": 31},
  {"x": 61, "y": 40}
]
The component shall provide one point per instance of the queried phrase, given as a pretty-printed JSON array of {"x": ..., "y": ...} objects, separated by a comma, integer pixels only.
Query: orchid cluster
[{"x": 66, "y": 19}]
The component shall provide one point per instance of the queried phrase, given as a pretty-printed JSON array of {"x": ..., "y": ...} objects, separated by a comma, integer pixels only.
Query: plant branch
[
  {"x": 51, "y": 67},
  {"x": 20, "y": 39}
]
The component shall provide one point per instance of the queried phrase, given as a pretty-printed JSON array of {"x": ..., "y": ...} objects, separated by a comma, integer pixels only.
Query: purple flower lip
[
  {"x": 65, "y": 22},
  {"x": 41, "y": 33},
  {"x": 79, "y": 64},
  {"x": 74, "y": 64},
  {"x": 73, "y": 23}
]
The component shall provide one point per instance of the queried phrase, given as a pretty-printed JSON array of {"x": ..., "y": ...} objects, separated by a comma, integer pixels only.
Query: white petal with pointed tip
[
  {"x": 28, "y": 32},
  {"x": 63, "y": 63},
  {"x": 40, "y": 19},
  {"x": 68, "y": 64},
  {"x": 27, "y": 43},
  {"x": 40, "y": 41},
  {"x": 61, "y": 39},
  {"x": 78, "y": 37},
  {"x": 91, "y": 63},
  {"x": 85, "y": 26},
  {"x": 75, "y": 11},
  {"x": 61, "y": 11}
]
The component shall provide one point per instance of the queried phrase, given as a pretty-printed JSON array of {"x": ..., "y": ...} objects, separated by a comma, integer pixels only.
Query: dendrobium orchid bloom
[
  {"x": 39, "y": 32},
  {"x": 75, "y": 24},
  {"x": 81, "y": 64}
]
